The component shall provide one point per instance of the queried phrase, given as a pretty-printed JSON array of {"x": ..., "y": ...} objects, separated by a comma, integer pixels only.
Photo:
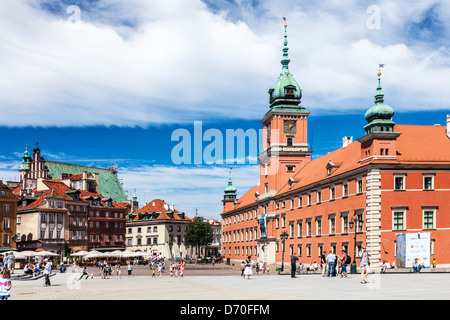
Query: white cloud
[
  {"x": 188, "y": 188},
  {"x": 181, "y": 61}
]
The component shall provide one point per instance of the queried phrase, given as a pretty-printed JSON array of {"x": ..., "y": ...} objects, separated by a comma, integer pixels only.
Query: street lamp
[
  {"x": 284, "y": 235},
  {"x": 360, "y": 223}
]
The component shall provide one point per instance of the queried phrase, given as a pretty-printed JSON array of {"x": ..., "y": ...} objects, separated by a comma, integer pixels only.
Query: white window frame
[
  {"x": 428, "y": 175},
  {"x": 432, "y": 209}
]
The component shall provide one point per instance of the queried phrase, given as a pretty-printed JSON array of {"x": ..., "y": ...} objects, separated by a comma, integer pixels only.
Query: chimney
[
  {"x": 346, "y": 141},
  {"x": 448, "y": 126}
]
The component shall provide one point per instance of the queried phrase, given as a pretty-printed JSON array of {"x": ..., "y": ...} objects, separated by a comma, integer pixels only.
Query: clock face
[{"x": 290, "y": 126}]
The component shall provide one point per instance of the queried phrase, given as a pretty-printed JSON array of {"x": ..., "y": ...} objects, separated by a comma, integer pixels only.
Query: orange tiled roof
[
  {"x": 416, "y": 144},
  {"x": 159, "y": 206}
]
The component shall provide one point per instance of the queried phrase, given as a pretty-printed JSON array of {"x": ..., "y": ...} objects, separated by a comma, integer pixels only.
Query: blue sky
[{"x": 110, "y": 81}]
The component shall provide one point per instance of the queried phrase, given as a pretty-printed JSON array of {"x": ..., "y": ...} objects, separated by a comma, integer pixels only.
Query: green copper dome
[
  {"x": 26, "y": 159},
  {"x": 230, "y": 191},
  {"x": 379, "y": 117},
  {"x": 285, "y": 93}
]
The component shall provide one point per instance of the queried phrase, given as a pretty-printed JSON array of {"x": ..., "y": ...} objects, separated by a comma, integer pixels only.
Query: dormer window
[{"x": 289, "y": 91}]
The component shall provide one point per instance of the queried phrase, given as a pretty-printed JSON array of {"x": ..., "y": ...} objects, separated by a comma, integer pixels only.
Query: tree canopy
[{"x": 199, "y": 233}]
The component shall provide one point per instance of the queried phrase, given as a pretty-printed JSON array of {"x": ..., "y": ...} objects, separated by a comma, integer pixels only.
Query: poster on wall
[
  {"x": 411, "y": 246},
  {"x": 263, "y": 226},
  {"x": 418, "y": 246},
  {"x": 401, "y": 250}
]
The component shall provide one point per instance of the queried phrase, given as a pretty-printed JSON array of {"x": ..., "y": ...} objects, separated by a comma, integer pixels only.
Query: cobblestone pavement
[{"x": 220, "y": 283}]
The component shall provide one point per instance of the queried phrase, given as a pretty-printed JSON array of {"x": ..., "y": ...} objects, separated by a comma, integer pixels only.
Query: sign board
[{"x": 411, "y": 246}]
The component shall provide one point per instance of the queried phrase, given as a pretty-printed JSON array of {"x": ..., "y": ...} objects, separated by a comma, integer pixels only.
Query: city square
[
  {"x": 223, "y": 283},
  {"x": 204, "y": 148}
]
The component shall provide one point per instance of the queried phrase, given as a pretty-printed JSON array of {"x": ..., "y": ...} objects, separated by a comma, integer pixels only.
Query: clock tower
[{"x": 285, "y": 147}]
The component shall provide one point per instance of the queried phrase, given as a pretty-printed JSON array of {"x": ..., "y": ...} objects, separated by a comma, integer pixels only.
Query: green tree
[{"x": 199, "y": 234}]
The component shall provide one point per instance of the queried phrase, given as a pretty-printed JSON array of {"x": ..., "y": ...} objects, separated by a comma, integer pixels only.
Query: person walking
[
  {"x": 11, "y": 262},
  {"x": 248, "y": 268},
  {"x": 294, "y": 260},
  {"x": 159, "y": 269},
  {"x": 181, "y": 269},
  {"x": 47, "y": 272},
  {"x": 364, "y": 265},
  {"x": 343, "y": 261},
  {"x": 324, "y": 264},
  {"x": 118, "y": 271}
]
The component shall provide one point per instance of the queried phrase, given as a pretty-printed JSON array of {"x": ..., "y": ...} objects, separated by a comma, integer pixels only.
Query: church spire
[
  {"x": 285, "y": 61},
  {"x": 379, "y": 117}
]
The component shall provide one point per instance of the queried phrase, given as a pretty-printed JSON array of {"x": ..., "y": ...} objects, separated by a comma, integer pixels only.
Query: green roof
[
  {"x": 286, "y": 94},
  {"x": 109, "y": 184}
]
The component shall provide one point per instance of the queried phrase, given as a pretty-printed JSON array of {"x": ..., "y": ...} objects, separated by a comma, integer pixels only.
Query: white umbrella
[
  {"x": 80, "y": 253},
  {"x": 24, "y": 254},
  {"x": 46, "y": 254},
  {"x": 95, "y": 255}
]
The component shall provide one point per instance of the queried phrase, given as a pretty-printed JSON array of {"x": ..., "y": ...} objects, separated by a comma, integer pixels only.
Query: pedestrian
[
  {"x": 47, "y": 272},
  {"x": 434, "y": 263},
  {"x": 343, "y": 260},
  {"x": 5, "y": 285},
  {"x": 248, "y": 268},
  {"x": 242, "y": 268},
  {"x": 323, "y": 262},
  {"x": 364, "y": 265},
  {"x": 181, "y": 269},
  {"x": 117, "y": 269},
  {"x": 294, "y": 260},
  {"x": 159, "y": 269},
  {"x": 11, "y": 262},
  {"x": 331, "y": 260},
  {"x": 130, "y": 269}
]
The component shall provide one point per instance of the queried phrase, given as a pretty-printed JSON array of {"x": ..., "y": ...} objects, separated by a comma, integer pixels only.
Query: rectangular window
[
  {"x": 399, "y": 182},
  {"x": 428, "y": 182},
  {"x": 345, "y": 224},
  {"x": 300, "y": 228},
  {"x": 332, "y": 225},
  {"x": 308, "y": 227},
  {"x": 428, "y": 219},
  {"x": 5, "y": 223},
  {"x": 398, "y": 220},
  {"x": 332, "y": 193},
  {"x": 345, "y": 189},
  {"x": 319, "y": 227},
  {"x": 360, "y": 185}
]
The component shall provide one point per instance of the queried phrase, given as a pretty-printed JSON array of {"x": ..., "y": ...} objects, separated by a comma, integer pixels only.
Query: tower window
[
  {"x": 289, "y": 91},
  {"x": 290, "y": 141}
]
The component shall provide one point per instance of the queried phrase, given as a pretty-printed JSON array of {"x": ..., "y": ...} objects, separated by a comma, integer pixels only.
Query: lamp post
[
  {"x": 355, "y": 222},
  {"x": 284, "y": 235}
]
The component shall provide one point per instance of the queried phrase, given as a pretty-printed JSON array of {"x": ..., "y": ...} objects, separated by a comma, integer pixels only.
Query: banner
[
  {"x": 418, "y": 246},
  {"x": 411, "y": 246},
  {"x": 401, "y": 250}
]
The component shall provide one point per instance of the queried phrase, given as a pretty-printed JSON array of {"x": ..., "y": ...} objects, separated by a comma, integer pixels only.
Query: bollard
[{"x": 353, "y": 268}]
